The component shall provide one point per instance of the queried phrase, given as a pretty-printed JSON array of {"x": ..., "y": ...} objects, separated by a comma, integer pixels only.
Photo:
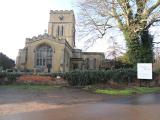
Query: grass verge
[{"x": 129, "y": 91}]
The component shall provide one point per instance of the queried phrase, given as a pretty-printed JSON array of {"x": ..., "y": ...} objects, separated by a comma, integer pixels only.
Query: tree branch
[
  {"x": 150, "y": 10},
  {"x": 141, "y": 6},
  {"x": 151, "y": 23},
  {"x": 116, "y": 16},
  {"x": 121, "y": 4},
  {"x": 94, "y": 23}
]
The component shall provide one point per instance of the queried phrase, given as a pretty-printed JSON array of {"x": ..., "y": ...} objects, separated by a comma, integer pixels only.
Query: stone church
[{"x": 55, "y": 51}]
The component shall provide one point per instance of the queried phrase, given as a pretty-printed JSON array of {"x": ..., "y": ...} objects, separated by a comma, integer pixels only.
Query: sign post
[{"x": 144, "y": 71}]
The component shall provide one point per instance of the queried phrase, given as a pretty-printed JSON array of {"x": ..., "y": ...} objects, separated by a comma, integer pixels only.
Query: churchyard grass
[{"x": 129, "y": 91}]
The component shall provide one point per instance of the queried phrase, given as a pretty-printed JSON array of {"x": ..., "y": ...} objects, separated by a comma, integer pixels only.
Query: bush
[
  {"x": 90, "y": 77},
  {"x": 8, "y": 78}
]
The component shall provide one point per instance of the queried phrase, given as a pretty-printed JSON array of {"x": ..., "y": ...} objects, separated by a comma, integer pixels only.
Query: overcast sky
[{"x": 20, "y": 19}]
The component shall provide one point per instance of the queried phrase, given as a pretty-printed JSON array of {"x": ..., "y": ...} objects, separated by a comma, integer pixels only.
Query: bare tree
[
  {"x": 132, "y": 17},
  {"x": 114, "y": 50}
]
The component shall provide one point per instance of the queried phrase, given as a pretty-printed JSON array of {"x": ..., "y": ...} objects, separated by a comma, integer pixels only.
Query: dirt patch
[
  {"x": 37, "y": 79},
  {"x": 8, "y": 109}
]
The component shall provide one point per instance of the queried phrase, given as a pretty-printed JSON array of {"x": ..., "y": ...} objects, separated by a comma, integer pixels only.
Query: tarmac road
[{"x": 86, "y": 107}]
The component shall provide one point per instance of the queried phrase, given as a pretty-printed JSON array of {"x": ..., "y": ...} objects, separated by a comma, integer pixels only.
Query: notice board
[{"x": 144, "y": 71}]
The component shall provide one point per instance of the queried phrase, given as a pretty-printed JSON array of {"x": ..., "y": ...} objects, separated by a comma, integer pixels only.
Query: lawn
[
  {"x": 129, "y": 91},
  {"x": 109, "y": 91}
]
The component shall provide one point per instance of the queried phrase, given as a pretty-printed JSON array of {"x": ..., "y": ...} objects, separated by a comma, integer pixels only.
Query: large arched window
[{"x": 43, "y": 56}]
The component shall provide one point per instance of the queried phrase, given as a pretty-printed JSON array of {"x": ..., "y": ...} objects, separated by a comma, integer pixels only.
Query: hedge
[
  {"x": 8, "y": 78},
  {"x": 90, "y": 77},
  {"x": 86, "y": 77}
]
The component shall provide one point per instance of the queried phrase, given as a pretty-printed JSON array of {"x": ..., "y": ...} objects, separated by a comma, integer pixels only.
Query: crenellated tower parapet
[{"x": 62, "y": 24}]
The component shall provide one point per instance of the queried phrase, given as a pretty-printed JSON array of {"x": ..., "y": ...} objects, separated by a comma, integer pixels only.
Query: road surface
[{"x": 75, "y": 104}]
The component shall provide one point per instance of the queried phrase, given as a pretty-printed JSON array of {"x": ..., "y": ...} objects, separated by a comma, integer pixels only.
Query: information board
[{"x": 144, "y": 70}]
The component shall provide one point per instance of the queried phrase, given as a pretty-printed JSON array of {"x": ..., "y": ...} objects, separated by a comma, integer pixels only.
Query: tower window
[{"x": 60, "y": 30}]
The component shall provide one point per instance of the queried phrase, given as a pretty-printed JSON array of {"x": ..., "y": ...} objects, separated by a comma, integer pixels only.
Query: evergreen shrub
[
  {"x": 90, "y": 77},
  {"x": 8, "y": 78}
]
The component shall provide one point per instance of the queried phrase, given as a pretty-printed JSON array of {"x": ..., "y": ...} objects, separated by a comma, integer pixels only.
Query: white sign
[{"x": 144, "y": 70}]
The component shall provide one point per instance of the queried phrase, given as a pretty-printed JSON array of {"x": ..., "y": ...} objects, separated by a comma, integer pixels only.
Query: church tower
[{"x": 62, "y": 25}]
